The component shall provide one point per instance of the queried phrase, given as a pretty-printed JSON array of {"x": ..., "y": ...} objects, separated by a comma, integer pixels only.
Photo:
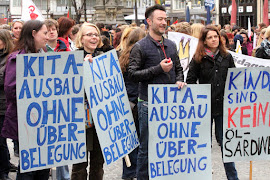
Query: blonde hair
[
  {"x": 80, "y": 35},
  {"x": 260, "y": 37},
  {"x": 267, "y": 32},
  {"x": 124, "y": 37},
  {"x": 196, "y": 29},
  {"x": 16, "y": 21},
  {"x": 123, "y": 27},
  {"x": 183, "y": 27}
]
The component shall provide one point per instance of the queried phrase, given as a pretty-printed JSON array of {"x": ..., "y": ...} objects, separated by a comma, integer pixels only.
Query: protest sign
[
  {"x": 246, "y": 123},
  {"x": 50, "y": 103},
  {"x": 179, "y": 132},
  {"x": 107, "y": 96},
  {"x": 186, "y": 47},
  {"x": 241, "y": 60}
]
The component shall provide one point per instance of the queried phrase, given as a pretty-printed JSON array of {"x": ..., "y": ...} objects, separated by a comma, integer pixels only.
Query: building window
[
  {"x": 129, "y": 3},
  {"x": 42, "y": 5},
  {"x": 17, "y": 3},
  {"x": 62, "y": 3},
  {"x": 90, "y": 4},
  {"x": 179, "y": 4}
]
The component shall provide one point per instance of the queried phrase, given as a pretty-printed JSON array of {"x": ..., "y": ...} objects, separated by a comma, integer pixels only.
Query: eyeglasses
[{"x": 91, "y": 35}]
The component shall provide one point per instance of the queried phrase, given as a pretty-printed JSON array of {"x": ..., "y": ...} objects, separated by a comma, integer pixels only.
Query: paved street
[{"x": 261, "y": 169}]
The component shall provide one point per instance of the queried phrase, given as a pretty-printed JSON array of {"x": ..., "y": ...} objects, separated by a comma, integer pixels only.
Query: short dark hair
[
  {"x": 26, "y": 40},
  {"x": 108, "y": 26},
  {"x": 100, "y": 26},
  {"x": 149, "y": 11}
]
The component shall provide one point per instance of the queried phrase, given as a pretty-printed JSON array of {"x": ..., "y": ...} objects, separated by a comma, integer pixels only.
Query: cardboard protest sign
[
  {"x": 186, "y": 47},
  {"x": 246, "y": 115},
  {"x": 179, "y": 132},
  {"x": 241, "y": 60},
  {"x": 50, "y": 103},
  {"x": 107, "y": 96}
]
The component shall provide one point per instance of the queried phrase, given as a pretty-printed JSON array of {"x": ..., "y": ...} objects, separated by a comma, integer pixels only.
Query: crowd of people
[{"x": 146, "y": 56}]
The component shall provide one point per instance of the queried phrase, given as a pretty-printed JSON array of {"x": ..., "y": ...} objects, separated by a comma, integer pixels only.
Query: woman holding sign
[
  {"x": 209, "y": 66},
  {"x": 33, "y": 39},
  {"x": 88, "y": 40}
]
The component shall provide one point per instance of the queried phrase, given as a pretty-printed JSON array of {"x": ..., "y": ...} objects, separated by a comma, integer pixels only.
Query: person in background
[
  {"x": 264, "y": 50},
  {"x": 260, "y": 27},
  {"x": 246, "y": 42},
  {"x": 142, "y": 26},
  {"x": 72, "y": 37},
  {"x": 240, "y": 39},
  {"x": 152, "y": 60},
  {"x": 231, "y": 42},
  {"x": 227, "y": 28},
  {"x": 117, "y": 39},
  {"x": 53, "y": 28},
  {"x": 259, "y": 39},
  {"x": 65, "y": 28},
  {"x": 225, "y": 39},
  {"x": 16, "y": 28},
  {"x": 6, "y": 47},
  {"x": 105, "y": 31},
  {"x": 209, "y": 65},
  {"x": 123, "y": 40},
  {"x": 63, "y": 44},
  {"x": 33, "y": 39},
  {"x": 129, "y": 173},
  {"x": 5, "y": 26},
  {"x": 196, "y": 29},
  {"x": 183, "y": 27},
  {"x": 88, "y": 40},
  {"x": 106, "y": 44},
  {"x": 235, "y": 30}
]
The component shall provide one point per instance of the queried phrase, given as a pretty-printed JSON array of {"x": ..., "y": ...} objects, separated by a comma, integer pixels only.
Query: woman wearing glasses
[
  {"x": 209, "y": 66},
  {"x": 88, "y": 40}
]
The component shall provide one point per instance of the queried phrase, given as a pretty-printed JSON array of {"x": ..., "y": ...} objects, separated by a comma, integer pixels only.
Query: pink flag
[
  {"x": 265, "y": 13},
  {"x": 233, "y": 14}
]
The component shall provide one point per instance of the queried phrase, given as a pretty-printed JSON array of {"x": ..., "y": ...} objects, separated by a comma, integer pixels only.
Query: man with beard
[{"x": 153, "y": 60}]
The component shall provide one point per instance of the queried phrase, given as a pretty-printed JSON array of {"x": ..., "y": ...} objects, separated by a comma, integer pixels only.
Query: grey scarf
[{"x": 266, "y": 46}]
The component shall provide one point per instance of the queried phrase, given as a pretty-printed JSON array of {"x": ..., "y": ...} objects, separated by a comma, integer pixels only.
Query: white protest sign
[
  {"x": 50, "y": 102},
  {"x": 179, "y": 132},
  {"x": 241, "y": 60},
  {"x": 246, "y": 123},
  {"x": 108, "y": 100},
  {"x": 186, "y": 47}
]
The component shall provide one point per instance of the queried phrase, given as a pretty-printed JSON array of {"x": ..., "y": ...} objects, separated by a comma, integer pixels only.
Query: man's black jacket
[{"x": 144, "y": 65}]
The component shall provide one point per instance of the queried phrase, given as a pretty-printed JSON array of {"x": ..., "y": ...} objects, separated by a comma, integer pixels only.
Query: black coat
[
  {"x": 260, "y": 53},
  {"x": 144, "y": 64},
  {"x": 214, "y": 72}
]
